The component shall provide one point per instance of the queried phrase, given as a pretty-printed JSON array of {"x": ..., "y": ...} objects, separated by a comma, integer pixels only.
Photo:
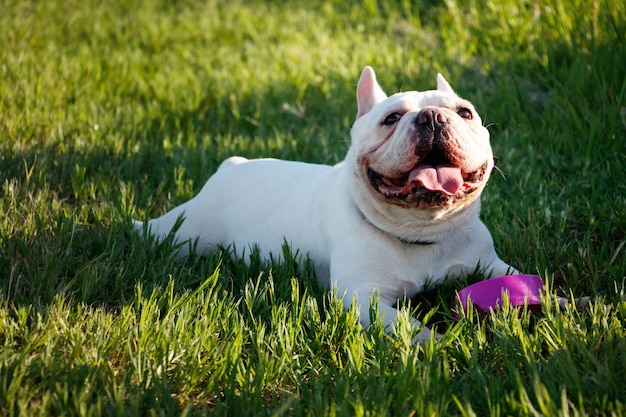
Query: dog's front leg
[
  {"x": 386, "y": 313},
  {"x": 500, "y": 268}
]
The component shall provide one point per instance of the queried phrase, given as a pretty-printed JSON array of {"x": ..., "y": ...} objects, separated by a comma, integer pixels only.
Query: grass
[{"x": 112, "y": 110}]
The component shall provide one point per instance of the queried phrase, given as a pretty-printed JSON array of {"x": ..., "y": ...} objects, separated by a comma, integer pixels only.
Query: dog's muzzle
[{"x": 435, "y": 180}]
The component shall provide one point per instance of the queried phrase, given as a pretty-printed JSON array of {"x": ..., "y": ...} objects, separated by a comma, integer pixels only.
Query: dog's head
[{"x": 421, "y": 159}]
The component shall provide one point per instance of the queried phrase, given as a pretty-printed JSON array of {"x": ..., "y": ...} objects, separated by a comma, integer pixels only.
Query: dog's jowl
[{"x": 400, "y": 211}]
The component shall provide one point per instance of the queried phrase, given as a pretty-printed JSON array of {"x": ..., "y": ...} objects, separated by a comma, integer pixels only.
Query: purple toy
[{"x": 521, "y": 289}]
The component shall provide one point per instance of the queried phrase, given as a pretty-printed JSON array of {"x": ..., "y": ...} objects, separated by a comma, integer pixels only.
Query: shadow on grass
[
  {"x": 80, "y": 240},
  {"x": 71, "y": 197}
]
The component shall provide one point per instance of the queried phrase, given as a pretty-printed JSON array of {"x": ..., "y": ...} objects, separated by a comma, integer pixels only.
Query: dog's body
[{"x": 401, "y": 211}]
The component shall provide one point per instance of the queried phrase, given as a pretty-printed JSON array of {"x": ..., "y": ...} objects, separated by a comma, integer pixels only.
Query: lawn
[{"x": 114, "y": 110}]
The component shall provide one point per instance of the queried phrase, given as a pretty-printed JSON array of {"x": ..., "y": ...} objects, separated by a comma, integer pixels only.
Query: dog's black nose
[{"x": 431, "y": 116}]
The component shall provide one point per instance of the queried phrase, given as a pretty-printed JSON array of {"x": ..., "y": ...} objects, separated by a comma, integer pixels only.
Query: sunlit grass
[{"x": 113, "y": 110}]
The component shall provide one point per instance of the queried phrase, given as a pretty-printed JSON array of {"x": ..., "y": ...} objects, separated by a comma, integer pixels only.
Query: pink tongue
[{"x": 445, "y": 178}]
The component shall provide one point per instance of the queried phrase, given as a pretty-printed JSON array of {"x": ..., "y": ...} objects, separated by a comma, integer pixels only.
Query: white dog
[{"x": 401, "y": 211}]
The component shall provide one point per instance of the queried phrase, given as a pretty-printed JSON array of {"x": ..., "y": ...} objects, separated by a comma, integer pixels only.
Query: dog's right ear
[{"x": 368, "y": 92}]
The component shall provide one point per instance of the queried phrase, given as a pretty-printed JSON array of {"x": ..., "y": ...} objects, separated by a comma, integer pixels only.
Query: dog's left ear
[
  {"x": 443, "y": 85},
  {"x": 368, "y": 92}
]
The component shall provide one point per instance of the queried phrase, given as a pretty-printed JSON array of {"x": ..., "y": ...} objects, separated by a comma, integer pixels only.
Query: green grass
[{"x": 112, "y": 110}]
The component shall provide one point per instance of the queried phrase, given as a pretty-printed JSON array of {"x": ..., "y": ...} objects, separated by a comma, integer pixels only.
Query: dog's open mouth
[{"x": 435, "y": 181}]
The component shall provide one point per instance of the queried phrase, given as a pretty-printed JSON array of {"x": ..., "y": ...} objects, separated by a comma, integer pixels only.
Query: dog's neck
[{"x": 418, "y": 242}]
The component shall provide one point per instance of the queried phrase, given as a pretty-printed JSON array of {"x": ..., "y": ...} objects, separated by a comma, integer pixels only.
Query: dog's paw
[
  {"x": 425, "y": 335},
  {"x": 581, "y": 303},
  {"x": 138, "y": 227}
]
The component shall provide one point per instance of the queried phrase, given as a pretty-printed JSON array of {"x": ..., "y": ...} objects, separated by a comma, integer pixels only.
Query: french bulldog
[{"x": 399, "y": 213}]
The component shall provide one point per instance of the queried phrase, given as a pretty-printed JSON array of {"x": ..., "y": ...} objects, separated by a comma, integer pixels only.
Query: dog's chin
[{"x": 404, "y": 192}]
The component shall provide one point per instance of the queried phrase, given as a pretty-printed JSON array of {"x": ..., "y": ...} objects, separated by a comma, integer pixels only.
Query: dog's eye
[
  {"x": 465, "y": 113},
  {"x": 393, "y": 118}
]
